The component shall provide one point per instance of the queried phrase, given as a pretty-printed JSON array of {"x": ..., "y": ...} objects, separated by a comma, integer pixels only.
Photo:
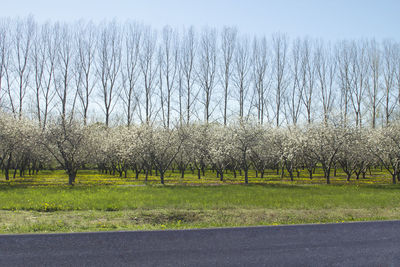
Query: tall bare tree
[
  {"x": 4, "y": 57},
  {"x": 241, "y": 72},
  {"x": 280, "y": 65},
  {"x": 51, "y": 38},
  {"x": 148, "y": 67},
  {"x": 84, "y": 63},
  {"x": 308, "y": 77},
  {"x": 325, "y": 66},
  {"x": 359, "y": 81},
  {"x": 294, "y": 95},
  {"x": 130, "y": 70},
  {"x": 207, "y": 70},
  {"x": 187, "y": 67},
  {"x": 389, "y": 72},
  {"x": 343, "y": 57},
  {"x": 374, "y": 63},
  {"x": 22, "y": 40},
  {"x": 260, "y": 71},
  {"x": 65, "y": 73},
  {"x": 38, "y": 55},
  {"x": 228, "y": 42},
  {"x": 169, "y": 64},
  {"x": 108, "y": 67}
]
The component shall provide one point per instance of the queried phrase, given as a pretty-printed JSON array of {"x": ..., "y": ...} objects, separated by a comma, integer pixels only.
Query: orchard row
[{"x": 238, "y": 147}]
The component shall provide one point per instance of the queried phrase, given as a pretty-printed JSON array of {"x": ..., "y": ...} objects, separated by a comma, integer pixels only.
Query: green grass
[{"x": 44, "y": 203}]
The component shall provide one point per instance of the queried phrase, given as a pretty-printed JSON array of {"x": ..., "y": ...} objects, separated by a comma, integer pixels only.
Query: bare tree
[
  {"x": 64, "y": 72},
  {"x": 260, "y": 67},
  {"x": 187, "y": 66},
  {"x": 241, "y": 70},
  {"x": 326, "y": 72},
  {"x": 359, "y": 72},
  {"x": 295, "y": 91},
  {"x": 23, "y": 37},
  {"x": 84, "y": 63},
  {"x": 38, "y": 61},
  {"x": 397, "y": 67},
  {"x": 343, "y": 61},
  {"x": 169, "y": 64},
  {"x": 148, "y": 67},
  {"x": 280, "y": 47},
  {"x": 4, "y": 56},
  {"x": 50, "y": 35},
  {"x": 388, "y": 77},
  {"x": 207, "y": 69},
  {"x": 108, "y": 67},
  {"x": 130, "y": 70},
  {"x": 228, "y": 42},
  {"x": 374, "y": 63},
  {"x": 308, "y": 77}
]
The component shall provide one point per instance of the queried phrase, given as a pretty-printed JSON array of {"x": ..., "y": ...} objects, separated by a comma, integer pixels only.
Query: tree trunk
[
  {"x": 394, "y": 178},
  {"x": 71, "y": 177},
  {"x": 162, "y": 177},
  {"x": 246, "y": 178},
  {"x": 327, "y": 175},
  {"x": 198, "y": 173},
  {"x": 291, "y": 175},
  {"x": 221, "y": 175},
  {"x": 6, "y": 174}
]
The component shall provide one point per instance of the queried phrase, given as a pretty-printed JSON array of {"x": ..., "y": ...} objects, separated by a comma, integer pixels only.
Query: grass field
[{"x": 44, "y": 203}]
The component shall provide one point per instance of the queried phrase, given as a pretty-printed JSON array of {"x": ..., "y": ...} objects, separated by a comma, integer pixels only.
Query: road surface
[{"x": 345, "y": 244}]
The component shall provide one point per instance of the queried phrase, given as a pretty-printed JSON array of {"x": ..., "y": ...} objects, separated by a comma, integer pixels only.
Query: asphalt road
[{"x": 347, "y": 244}]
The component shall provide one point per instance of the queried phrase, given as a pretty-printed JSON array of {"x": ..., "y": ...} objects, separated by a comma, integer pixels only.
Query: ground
[{"x": 45, "y": 203}]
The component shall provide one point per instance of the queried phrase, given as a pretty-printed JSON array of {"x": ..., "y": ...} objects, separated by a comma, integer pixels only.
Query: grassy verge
[
  {"x": 58, "y": 208},
  {"x": 161, "y": 219}
]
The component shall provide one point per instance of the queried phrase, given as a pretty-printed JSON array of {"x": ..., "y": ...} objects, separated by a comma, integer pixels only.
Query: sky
[{"x": 328, "y": 20}]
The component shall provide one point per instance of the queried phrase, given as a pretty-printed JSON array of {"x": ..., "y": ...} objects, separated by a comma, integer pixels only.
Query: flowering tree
[
  {"x": 161, "y": 147},
  {"x": 220, "y": 149},
  {"x": 264, "y": 154},
  {"x": 197, "y": 145},
  {"x": 244, "y": 139},
  {"x": 324, "y": 143},
  {"x": 16, "y": 141},
  {"x": 69, "y": 144},
  {"x": 385, "y": 145}
]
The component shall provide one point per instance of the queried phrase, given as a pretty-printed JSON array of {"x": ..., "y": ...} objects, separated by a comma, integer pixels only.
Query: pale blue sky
[{"x": 330, "y": 20}]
